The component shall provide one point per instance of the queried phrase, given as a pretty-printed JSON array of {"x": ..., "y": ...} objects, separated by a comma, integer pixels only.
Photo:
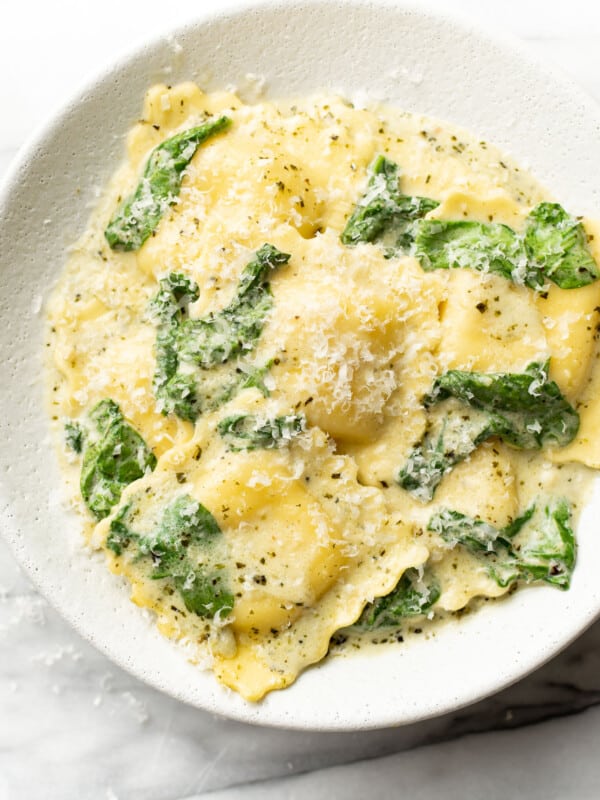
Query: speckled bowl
[{"x": 417, "y": 61}]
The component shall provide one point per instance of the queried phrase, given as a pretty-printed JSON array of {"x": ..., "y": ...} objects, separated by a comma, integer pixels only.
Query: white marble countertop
[{"x": 72, "y": 725}]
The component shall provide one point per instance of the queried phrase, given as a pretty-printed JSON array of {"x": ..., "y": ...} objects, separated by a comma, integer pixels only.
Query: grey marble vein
[{"x": 555, "y": 761}]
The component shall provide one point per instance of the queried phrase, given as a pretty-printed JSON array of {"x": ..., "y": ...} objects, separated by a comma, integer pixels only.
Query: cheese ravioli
[{"x": 319, "y": 370}]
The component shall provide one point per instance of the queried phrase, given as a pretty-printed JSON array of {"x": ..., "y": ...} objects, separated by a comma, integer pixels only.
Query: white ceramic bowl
[{"x": 418, "y": 62}]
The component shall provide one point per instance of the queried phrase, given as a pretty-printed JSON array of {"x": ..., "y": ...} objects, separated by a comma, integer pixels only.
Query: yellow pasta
[{"x": 259, "y": 497}]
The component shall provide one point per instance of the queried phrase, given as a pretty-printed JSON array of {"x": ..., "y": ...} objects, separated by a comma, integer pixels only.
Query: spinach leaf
[
  {"x": 546, "y": 549},
  {"x": 413, "y": 596},
  {"x": 248, "y": 432},
  {"x": 441, "y": 244},
  {"x": 120, "y": 537},
  {"x": 181, "y": 551},
  {"x": 452, "y": 433},
  {"x": 252, "y": 377},
  {"x": 188, "y": 349},
  {"x": 236, "y": 328},
  {"x": 385, "y": 215},
  {"x": 176, "y": 292},
  {"x": 537, "y": 546},
  {"x": 553, "y": 247},
  {"x": 474, "y": 533},
  {"x": 525, "y": 410},
  {"x": 114, "y": 455},
  {"x": 159, "y": 186},
  {"x": 556, "y": 244},
  {"x": 74, "y": 436}
]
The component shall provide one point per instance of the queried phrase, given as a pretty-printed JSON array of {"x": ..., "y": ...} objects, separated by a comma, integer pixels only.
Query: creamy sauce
[{"x": 314, "y": 529}]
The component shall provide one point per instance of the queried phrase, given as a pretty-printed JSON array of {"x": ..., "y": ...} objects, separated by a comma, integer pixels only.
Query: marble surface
[{"x": 72, "y": 725}]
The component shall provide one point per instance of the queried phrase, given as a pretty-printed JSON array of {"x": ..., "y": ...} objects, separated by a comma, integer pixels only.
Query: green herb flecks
[
  {"x": 385, "y": 215},
  {"x": 187, "y": 381},
  {"x": 525, "y": 410},
  {"x": 183, "y": 551},
  {"x": 414, "y": 594},
  {"x": 114, "y": 455},
  {"x": 556, "y": 244},
  {"x": 248, "y": 432},
  {"x": 159, "y": 186},
  {"x": 537, "y": 546}
]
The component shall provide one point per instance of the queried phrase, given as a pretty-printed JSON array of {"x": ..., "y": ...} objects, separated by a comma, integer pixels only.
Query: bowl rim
[{"x": 229, "y": 12}]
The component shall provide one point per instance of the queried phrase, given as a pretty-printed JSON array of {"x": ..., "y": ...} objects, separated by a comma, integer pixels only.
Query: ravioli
[{"x": 293, "y": 338}]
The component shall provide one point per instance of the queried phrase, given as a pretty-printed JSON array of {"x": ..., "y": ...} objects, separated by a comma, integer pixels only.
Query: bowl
[{"x": 418, "y": 61}]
